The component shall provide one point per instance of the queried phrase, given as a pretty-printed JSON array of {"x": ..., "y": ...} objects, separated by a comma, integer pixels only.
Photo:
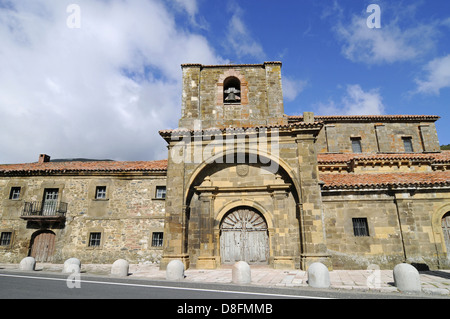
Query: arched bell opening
[{"x": 232, "y": 90}]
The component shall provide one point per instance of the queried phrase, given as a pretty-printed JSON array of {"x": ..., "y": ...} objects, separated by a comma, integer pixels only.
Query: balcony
[{"x": 48, "y": 211}]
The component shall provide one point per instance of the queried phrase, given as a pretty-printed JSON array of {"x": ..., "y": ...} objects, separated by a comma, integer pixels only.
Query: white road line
[{"x": 166, "y": 287}]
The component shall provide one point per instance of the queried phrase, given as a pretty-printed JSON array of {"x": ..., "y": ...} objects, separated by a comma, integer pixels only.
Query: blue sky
[{"x": 100, "y": 78}]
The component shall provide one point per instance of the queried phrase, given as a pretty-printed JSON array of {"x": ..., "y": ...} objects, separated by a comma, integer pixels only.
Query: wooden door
[
  {"x": 43, "y": 246},
  {"x": 244, "y": 237},
  {"x": 446, "y": 231}
]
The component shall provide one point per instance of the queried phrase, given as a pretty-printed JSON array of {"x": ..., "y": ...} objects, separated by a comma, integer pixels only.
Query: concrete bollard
[
  {"x": 120, "y": 268},
  {"x": 68, "y": 265},
  {"x": 241, "y": 273},
  {"x": 72, "y": 269},
  {"x": 28, "y": 263},
  {"x": 407, "y": 278},
  {"x": 318, "y": 276},
  {"x": 175, "y": 270}
]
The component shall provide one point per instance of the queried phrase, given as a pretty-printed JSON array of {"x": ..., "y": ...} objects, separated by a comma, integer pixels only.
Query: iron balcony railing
[{"x": 44, "y": 209}]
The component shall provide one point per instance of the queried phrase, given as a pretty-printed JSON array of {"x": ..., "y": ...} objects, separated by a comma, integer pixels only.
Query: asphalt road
[{"x": 36, "y": 285}]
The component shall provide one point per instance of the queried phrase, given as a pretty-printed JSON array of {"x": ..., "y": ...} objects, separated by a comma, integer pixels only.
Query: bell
[{"x": 231, "y": 95}]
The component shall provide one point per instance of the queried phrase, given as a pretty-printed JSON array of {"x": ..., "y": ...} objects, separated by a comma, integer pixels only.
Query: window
[
  {"x": 50, "y": 204},
  {"x": 100, "y": 192},
  {"x": 157, "y": 239},
  {"x": 5, "y": 238},
  {"x": 15, "y": 193},
  {"x": 360, "y": 227},
  {"x": 231, "y": 90},
  {"x": 95, "y": 239},
  {"x": 51, "y": 194},
  {"x": 160, "y": 192},
  {"x": 356, "y": 145},
  {"x": 407, "y": 142}
]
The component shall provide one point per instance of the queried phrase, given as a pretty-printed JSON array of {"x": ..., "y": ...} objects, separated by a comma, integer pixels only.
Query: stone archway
[{"x": 244, "y": 237}]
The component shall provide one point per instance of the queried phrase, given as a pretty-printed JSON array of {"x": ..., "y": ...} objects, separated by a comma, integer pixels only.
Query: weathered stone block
[
  {"x": 241, "y": 273},
  {"x": 407, "y": 278},
  {"x": 120, "y": 268},
  {"x": 175, "y": 270},
  {"x": 28, "y": 263},
  {"x": 71, "y": 265},
  {"x": 318, "y": 276}
]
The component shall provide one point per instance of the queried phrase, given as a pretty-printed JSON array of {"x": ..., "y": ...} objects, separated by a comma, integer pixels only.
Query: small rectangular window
[
  {"x": 407, "y": 142},
  {"x": 356, "y": 145},
  {"x": 100, "y": 192},
  {"x": 157, "y": 239},
  {"x": 360, "y": 227},
  {"x": 161, "y": 192},
  {"x": 15, "y": 193},
  {"x": 5, "y": 238},
  {"x": 95, "y": 239}
]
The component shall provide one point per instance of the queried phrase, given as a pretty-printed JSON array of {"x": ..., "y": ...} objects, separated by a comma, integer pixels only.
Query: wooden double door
[
  {"x": 244, "y": 237},
  {"x": 43, "y": 246}
]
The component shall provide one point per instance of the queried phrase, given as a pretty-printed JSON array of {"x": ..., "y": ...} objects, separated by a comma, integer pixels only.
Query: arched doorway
[
  {"x": 43, "y": 245},
  {"x": 244, "y": 237},
  {"x": 446, "y": 231}
]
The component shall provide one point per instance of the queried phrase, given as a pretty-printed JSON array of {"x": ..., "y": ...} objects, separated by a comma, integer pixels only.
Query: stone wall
[
  {"x": 126, "y": 218},
  {"x": 376, "y": 137},
  {"x": 202, "y": 97},
  {"x": 403, "y": 227}
]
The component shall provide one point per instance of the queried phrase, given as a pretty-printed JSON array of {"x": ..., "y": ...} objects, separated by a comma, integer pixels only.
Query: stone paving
[{"x": 433, "y": 282}]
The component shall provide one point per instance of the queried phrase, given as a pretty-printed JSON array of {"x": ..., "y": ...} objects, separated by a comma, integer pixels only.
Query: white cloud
[
  {"x": 355, "y": 102},
  {"x": 437, "y": 78},
  {"x": 238, "y": 37},
  {"x": 292, "y": 87},
  {"x": 190, "y": 6},
  {"x": 391, "y": 43},
  {"x": 100, "y": 91}
]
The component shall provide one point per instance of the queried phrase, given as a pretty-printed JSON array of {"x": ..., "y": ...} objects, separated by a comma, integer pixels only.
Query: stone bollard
[
  {"x": 241, "y": 273},
  {"x": 72, "y": 265},
  {"x": 175, "y": 270},
  {"x": 318, "y": 276},
  {"x": 407, "y": 278},
  {"x": 28, "y": 263},
  {"x": 120, "y": 268}
]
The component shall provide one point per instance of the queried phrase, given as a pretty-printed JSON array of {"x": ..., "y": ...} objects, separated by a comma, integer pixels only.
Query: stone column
[
  {"x": 313, "y": 244},
  {"x": 206, "y": 259},
  {"x": 275, "y": 107},
  {"x": 332, "y": 145},
  {"x": 283, "y": 257},
  {"x": 429, "y": 138},
  {"x": 384, "y": 145},
  {"x": 175, "y": 215}
]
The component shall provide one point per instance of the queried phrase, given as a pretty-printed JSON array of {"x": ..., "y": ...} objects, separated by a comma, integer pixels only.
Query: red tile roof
[
  {"x": 79, "y": 166},
  {"x": 236, "y": 129},
  {"x": 384, "y": 180},
  {"x": 325, "y": 158},
  {"x": 367, "y": 118}
]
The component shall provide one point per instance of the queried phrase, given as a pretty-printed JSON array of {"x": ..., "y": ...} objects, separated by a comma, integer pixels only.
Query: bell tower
[{"x": 232, "y": 95}]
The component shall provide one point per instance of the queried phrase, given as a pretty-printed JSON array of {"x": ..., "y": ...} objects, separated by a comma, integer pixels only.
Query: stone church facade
[{"x": 243, "y": 181}]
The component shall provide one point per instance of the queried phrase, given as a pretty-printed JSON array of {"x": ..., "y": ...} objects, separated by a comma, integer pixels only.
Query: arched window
[{"x": 232, "y": 90}]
